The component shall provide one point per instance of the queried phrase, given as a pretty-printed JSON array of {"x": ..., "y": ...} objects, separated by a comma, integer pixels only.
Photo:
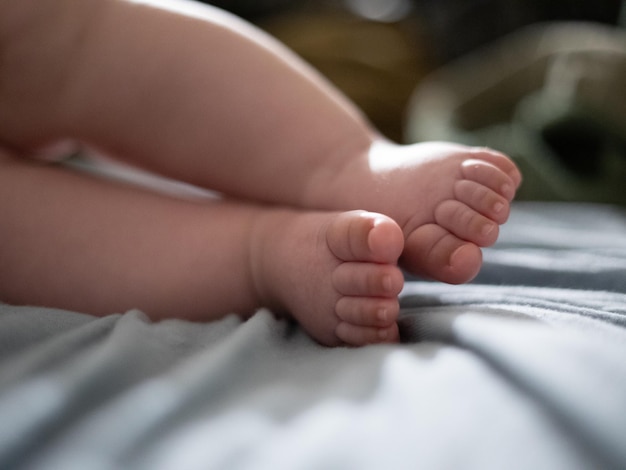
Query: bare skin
[
  {"x": 108, "y": 248},
  {"x": 200, "y": 96},
  {"x": 359, "y": 280}
]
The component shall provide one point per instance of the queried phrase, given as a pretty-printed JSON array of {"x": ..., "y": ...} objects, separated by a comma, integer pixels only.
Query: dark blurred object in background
[
  {"x": 551, "y": 95},
  {"x": 455, "y": 26},
  {"x": 375, "y": 63},
  {"x": 459, "y": 26},
  {"x": 253, "y": 9},
  {"x": 377, "y": 51}
]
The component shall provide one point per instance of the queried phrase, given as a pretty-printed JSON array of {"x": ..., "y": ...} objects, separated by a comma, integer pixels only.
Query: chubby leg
[
  {"x": 173, "y": 86},
  {"x": 73, "y": 241},
  {"x": 247, "y": 118}
]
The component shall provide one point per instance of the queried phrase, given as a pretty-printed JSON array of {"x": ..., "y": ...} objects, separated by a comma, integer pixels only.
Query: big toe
[
  {"x": 433, "y": 252},
  {"x": 365, "y": 236}
]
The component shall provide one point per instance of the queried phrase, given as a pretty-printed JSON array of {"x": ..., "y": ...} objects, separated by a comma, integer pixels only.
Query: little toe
[
  {"x": 502, "y": 161},
  {"x": 367, "y": 311},
  {"x": 490, "y": 176},
  {"x": 482, "y": 200},
  {"x": 355, "y": 335},
  {"x": 467, "y": 224},
  {"x": 367, "y": 279},
  {"x": 365, "y": 236},
  {"x": 433, "y": 252}
]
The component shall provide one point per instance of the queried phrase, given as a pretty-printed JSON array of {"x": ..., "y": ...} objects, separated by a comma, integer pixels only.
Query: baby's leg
[
  {"x": 76, "y": 242},
  {"x": 246, "y": 118},
  {"x": 173, "y": 86}
]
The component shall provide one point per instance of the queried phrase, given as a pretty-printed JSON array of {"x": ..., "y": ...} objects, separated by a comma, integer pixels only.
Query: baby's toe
[
  {"x": 490, "y": 176},
  {"x": 365, "y": 236},
  {"x": 482, "y": 200},
  {"x": 368, "y": 311},
  {"x": 433, "y": 252},
  {"x": 501, "y": 161},
  {"x": 356, "y": 335},
  {"x": 467, "y": 224},
  {"x": 367, "y": 280}
]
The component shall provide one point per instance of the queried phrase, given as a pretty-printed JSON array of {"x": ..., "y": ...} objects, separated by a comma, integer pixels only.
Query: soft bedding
[{"x": 523, "y": 369}]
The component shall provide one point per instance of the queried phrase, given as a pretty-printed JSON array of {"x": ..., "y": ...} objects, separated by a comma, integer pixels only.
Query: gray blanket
[{"x": 524, "y": 369}]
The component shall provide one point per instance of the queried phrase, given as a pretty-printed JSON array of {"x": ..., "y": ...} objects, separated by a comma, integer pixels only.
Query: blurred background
[{"x": 543, "y": 80}]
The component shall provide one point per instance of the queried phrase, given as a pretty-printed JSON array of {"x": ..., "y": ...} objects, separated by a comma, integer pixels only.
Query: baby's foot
[
  {"x": 449, "y": 200},
  {"x": 335, "y": 273}
]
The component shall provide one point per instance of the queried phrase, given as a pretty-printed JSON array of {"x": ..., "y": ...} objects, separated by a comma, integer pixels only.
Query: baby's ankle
[
  {"x": 267, "y": 229},
  {"x": 338, "y": 182}
]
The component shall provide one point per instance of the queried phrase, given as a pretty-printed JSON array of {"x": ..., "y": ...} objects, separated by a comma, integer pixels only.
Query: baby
[{"x": 318, "y": 210}]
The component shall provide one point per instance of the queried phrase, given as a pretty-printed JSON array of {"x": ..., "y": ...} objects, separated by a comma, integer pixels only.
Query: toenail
[
  {"x": 507, "y": 190},
  {"x": 383, "y": 333},
  {"x": 382, "y": 314},
  {"x": 497, "y": 207},
  {"x": 487, "y": 229},
  {"x": 451, "y": 260}
]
